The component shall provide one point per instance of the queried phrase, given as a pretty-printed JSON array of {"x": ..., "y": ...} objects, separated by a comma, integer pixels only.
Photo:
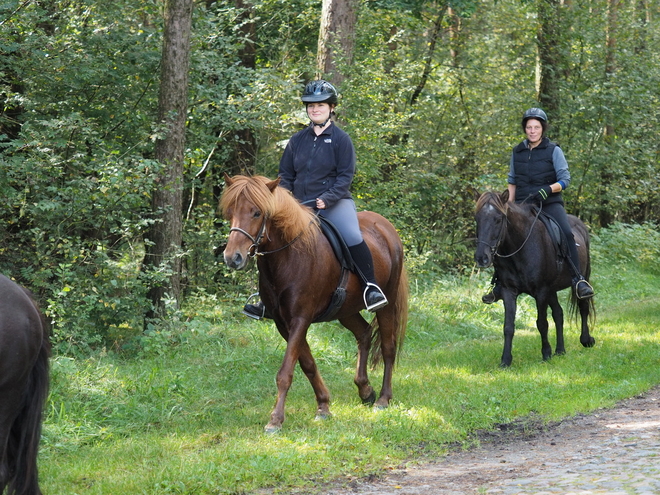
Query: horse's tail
[
  {"x": 574, "y": 309},
  {"x": 23, "y": 445},
  {"x": 400, "y": 316}
]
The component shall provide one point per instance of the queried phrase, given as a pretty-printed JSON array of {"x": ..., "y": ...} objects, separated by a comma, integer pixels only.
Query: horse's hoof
[
  {"x": 590, "y": 342},
  {"x": 370, "y": 400},
  {"x": 272, "y": 429},
  {"x": 381, "y": 404},
  {"x": 322, "y": 416}
]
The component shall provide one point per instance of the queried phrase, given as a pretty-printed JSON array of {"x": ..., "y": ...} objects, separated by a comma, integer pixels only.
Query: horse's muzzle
[
  {"x": 483, "y": 259},
  {"x": 235, "y": 261}
]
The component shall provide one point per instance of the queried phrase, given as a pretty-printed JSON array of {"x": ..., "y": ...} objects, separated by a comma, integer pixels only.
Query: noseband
[{"x": 253, "y": 249}]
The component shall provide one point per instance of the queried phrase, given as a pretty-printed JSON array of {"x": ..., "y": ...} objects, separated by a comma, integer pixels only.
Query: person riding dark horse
[
  {"x": 539, "y": 172},
  {"x": 318, "y": 166}
]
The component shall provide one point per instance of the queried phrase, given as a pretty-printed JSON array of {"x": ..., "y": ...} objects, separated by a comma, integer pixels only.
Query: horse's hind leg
[
  {"x": 558, "y": 317},
  {"x": 586, "y": 306},
  {"x": 387, "y": 326},
  {"x": 4, "y": 465},
  {"x": 360, "y": 329},
  {"x": 8, "y": 412}
]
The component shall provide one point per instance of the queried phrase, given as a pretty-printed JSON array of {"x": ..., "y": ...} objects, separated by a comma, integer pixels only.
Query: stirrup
[
  {"x": 253, "y": 315},
  {"x": 494, "y": 294},
  {"x": 589, "y": 287},
  {"x": 378, "y": 304}
]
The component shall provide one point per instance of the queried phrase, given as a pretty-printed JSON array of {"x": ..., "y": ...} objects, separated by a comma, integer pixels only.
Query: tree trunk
[
  {"x": 165, "y": 234},
  {"x": 606, "y": 176},
  {"x": 550, "y": 60},
  {"x": 336, "y": 37}
]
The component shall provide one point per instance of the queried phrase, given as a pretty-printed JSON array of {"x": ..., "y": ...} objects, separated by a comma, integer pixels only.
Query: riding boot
[
  {"x": 374, "y": 298},
  {"x": 495, "y": 292},
  {"x": 256, "y": 310},
  {"x": 582, "y": 288}
]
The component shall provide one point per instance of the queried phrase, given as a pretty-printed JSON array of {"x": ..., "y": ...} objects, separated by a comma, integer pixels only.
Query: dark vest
[{"x": 534, "y": 169}]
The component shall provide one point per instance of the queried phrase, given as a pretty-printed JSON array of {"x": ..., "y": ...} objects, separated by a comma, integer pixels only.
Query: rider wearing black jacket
[
  {"x": 539, "y": 172},
  {"x": 318, "y": 166}
]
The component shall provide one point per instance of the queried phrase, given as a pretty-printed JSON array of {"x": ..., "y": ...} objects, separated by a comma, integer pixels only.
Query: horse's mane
[
  {"x": 494, "y": 199},
  {"x": 499, "y": 201},
  {"x": 287, "y": 215}
]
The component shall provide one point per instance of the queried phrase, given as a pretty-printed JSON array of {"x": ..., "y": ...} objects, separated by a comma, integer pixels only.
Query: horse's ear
[
  {"x": 505, "y": 196},
  {"x": 273, "y": 184},
  {"x": 474, "y": 192},
  {"x": 228, "y": 180}
]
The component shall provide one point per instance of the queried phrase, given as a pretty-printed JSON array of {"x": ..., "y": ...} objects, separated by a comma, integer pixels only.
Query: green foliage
[
  {"x": 622, "y": 244},
  {"x": 79, "y": 83}
]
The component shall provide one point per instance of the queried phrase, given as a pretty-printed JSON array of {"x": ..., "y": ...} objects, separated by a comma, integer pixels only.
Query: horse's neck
[{"x": 519, "y": 225}]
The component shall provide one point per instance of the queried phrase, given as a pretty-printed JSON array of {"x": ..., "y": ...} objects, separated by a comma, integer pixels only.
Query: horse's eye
[{"x": 257, "y": 214}]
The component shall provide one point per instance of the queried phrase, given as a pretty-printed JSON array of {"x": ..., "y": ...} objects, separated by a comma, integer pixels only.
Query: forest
[{"x": 121, "y": 118}]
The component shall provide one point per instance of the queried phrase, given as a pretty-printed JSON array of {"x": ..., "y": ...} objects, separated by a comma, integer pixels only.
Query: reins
[
  {"x": 253, "y": 250},
  {"x": 529, "y": 234}
]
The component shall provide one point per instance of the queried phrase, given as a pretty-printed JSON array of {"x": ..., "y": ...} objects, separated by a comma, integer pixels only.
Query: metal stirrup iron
[{"x": 377, "y": 305}]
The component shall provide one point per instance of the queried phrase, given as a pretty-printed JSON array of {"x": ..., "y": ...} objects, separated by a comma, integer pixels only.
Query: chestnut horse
[
  {"x": 24, "y": 352},
  {"x": 298, "y": 274},
  {"x": 513, "y": 238}
]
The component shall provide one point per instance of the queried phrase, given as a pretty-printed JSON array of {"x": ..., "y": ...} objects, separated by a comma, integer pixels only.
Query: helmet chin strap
[{"x": 323, "y": 124}]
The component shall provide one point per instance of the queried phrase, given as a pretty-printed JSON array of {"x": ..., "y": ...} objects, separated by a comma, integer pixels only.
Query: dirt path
[{"x": 613, "y": 451}]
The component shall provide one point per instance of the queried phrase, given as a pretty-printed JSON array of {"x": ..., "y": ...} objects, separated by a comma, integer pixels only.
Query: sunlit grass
[{"x": 188, "y": 416}]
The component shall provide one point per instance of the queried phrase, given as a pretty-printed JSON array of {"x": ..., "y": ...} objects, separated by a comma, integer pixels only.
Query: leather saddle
[
  {"x": 347, "y": 265},
  {"x": 556, "y": 234}
]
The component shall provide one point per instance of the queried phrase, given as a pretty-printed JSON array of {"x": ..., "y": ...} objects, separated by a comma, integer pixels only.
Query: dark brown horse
[
  {"x": 511, "y": 237},
  {"x": 24, "y": 352},
  {"x": 298, "y": 273}
]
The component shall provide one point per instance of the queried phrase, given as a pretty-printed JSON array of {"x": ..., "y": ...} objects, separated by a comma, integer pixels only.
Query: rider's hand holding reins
[{"x": 543, "y": 193}]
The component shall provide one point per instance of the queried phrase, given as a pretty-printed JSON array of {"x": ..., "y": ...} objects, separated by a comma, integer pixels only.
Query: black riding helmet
[
  {"x": 535, "y": 113},
  {"x": 320, "y": 91}
]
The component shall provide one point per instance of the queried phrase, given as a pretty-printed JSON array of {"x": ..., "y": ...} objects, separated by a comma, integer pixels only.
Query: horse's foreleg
[
  {"x": 509, "y": 299},
  {"x": 308, "y": 365},
  {"x": 360, "y": 329},
  {"x": 285, "y": 377},
  {"x": 586, "y": 306},
  {"x": 542, "y": 326},
  {"x": 558, "y": 318}
]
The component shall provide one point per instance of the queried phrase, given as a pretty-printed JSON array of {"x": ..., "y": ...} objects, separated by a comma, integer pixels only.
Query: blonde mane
[{"x": 289, "y": 217}]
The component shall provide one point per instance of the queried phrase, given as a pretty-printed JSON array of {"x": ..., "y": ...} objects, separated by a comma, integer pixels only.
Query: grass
[{"x": 186, "y": 415}]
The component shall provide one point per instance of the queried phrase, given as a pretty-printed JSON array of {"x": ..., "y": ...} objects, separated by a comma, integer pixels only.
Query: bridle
[
  {"x": 253, "y": 250},
  {"x": 500, "y": 237}
]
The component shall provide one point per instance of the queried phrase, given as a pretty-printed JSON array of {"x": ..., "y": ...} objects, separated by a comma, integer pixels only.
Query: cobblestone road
[{"x": 614, "y": 451}]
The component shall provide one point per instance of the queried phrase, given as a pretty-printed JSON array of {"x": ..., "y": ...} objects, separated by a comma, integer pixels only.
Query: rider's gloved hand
[{"x": 543, "y": 193}]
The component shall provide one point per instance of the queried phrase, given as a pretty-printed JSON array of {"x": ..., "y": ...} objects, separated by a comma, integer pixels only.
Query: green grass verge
[{"x": 187, "y": 417}]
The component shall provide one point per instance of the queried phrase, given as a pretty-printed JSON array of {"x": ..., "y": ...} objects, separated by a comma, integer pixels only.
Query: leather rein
[
  {"x": 253, "y": 250},
  {"x": 500, "y": 238}
]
